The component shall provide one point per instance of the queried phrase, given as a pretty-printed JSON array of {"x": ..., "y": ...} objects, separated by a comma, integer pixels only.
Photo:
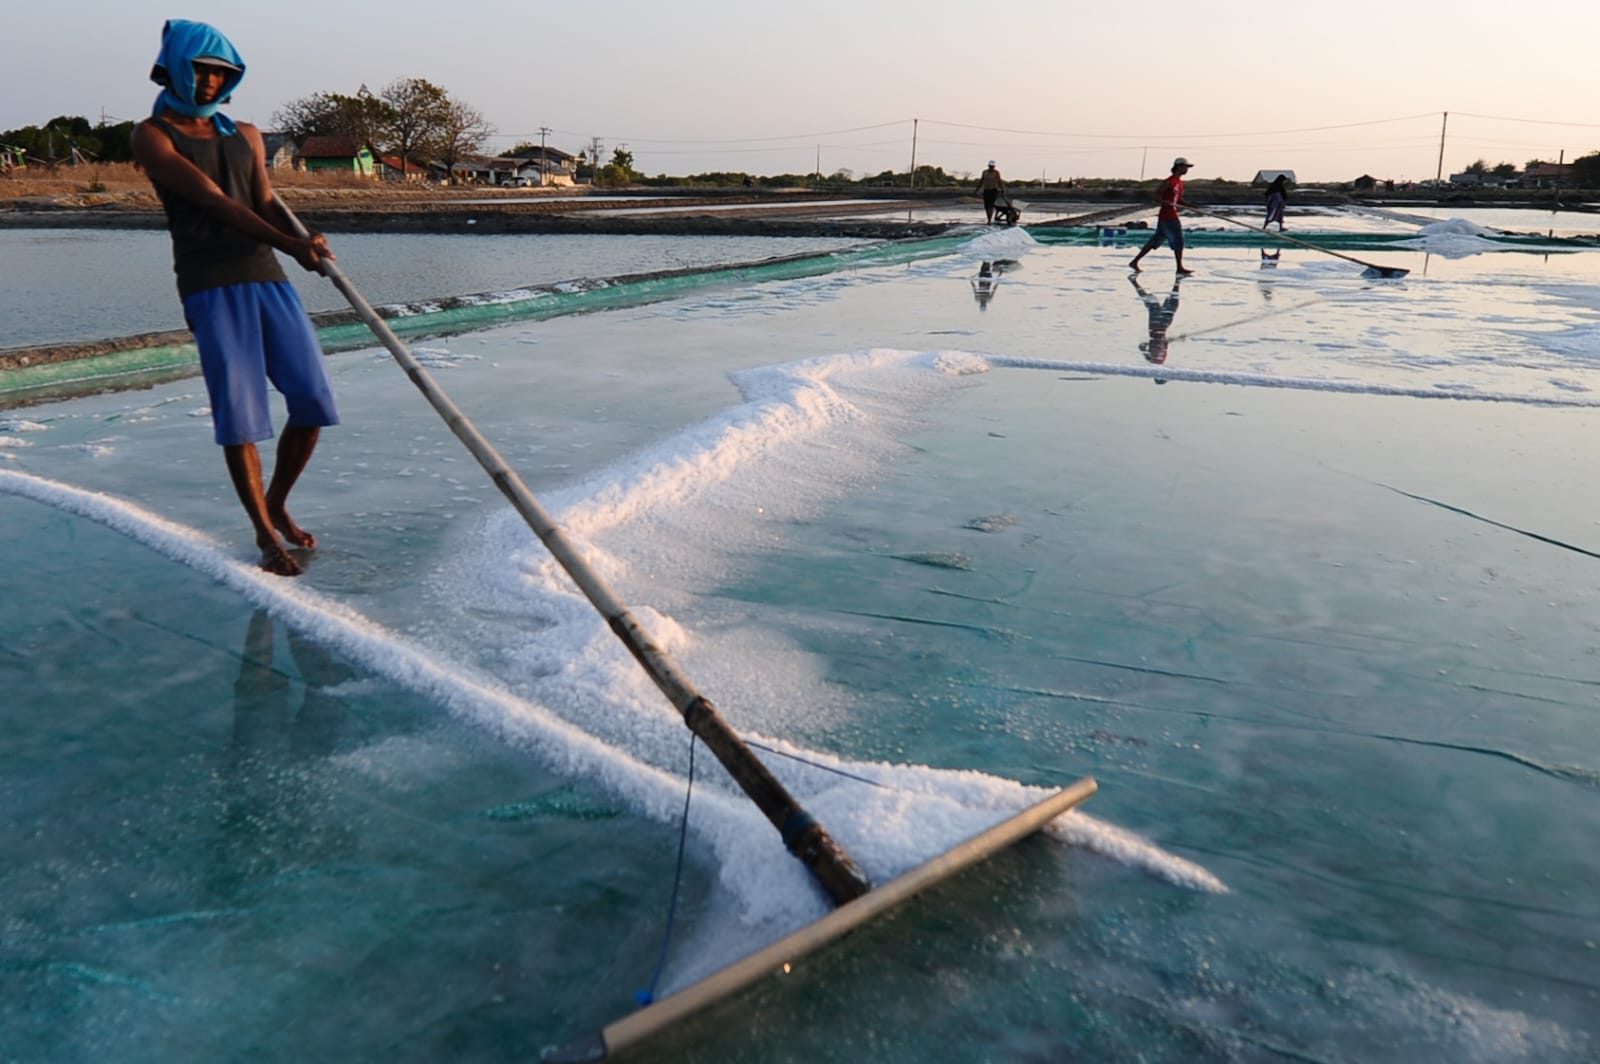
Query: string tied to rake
[{"x": 648, "y": 995}]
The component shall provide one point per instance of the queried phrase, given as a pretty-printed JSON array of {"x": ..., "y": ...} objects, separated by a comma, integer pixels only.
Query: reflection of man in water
[
  {"x": 984, "y": 285},
  {"x": 1162, "y": 311},
  {"x": 272, "y": 812}
]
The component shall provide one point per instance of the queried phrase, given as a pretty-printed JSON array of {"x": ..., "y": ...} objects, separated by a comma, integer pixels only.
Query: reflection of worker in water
[
  {"x": 1269, "y": 261},
  {"x": 1161, "y": 311},
  {"x": 271, "y": 817},
  {"x": 985, "y": 284}
]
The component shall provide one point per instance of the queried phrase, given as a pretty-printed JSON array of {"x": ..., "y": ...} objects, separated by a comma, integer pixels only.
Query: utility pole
[
  {"x": 819, "y": 164},
  {"x": 913, "y": 163},
  {"x": 1438, "y": 174},
  {"x": 544, "y": 160},
  {"x": 1144, "y": 155},
  {"x": 594, "y": 159}
]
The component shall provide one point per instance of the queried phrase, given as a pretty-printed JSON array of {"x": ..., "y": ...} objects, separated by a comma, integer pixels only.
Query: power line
[
  {"x": 1046, "y": 144},
  {"x": 1529, "y": 121},
  {"x": 811, "y": 137},
  {"x": 1184, "y": 136}
]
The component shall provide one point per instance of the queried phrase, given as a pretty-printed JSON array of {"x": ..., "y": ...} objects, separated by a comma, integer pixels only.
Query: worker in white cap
[
  {"x": 1168, "y": 228},
  {"x": 992, "y": 185}
]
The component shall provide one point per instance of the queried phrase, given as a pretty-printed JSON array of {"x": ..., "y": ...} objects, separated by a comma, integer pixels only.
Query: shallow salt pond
[{"x": 1312, "y": 599}]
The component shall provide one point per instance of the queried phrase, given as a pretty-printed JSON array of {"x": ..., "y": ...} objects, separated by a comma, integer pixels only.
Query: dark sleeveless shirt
[{"x": 206, "y": 252}]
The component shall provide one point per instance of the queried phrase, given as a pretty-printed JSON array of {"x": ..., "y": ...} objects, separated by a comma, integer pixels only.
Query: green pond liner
[
  {"x": 147, "y": 366},
  {"x": 1120, "y": 235},
  {"x": 341, "y": 331}
]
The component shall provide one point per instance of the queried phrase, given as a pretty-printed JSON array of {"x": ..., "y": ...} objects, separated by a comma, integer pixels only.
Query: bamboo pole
[
  {"x": 804, "y": 837},
  {"x": 1385, "y": 271}
]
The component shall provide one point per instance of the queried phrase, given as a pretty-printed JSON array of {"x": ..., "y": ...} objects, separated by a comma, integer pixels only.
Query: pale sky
[{"x": 1053, "y": 88}]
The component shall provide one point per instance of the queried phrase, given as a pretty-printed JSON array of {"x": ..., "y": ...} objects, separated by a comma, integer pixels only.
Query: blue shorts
[
  {"x": 249, "y": 334},
  {"x": 1170, "y": 230}
]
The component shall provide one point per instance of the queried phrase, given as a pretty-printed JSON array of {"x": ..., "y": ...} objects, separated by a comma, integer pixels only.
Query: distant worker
[
  {"x": 1168, "y": 228},
  {"x": 993, "y": 186},
  {"x": 248, "y": 323},
  {"x": 1277, "y": 199}
]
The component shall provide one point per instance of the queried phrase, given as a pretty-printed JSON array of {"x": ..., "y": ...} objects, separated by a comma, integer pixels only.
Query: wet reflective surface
[{"x": 1316, "y": 612}]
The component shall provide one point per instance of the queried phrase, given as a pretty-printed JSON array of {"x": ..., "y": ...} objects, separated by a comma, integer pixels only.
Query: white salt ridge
[
  {"x": 888, "y": 830},
  {"x": 1442, "y": 390},
  {"x": 566, "y": 688},
  {"x": 668, "y": 521},
  {"x": 1006, "y": 243},
  {"x": 1454, "y": 239}
]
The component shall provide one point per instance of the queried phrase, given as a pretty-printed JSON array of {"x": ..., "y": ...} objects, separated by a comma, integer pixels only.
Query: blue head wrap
[{"x": 183, "y": 42}]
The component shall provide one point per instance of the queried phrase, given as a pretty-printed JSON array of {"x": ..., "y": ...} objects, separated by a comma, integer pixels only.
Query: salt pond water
[
  {"x": 87, "y": 284},
  {"x": 1312, "y": 598}
]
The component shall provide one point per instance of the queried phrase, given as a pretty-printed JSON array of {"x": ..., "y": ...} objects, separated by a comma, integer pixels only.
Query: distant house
[
  {"x": 546, "y": 166},
  {"x": 1483, "y": 179},
  {"x": 1548, "y": 175},
  {"x": 389, "y": 169},
  {"x": 336, "y": 154},
  {"x": 1364, "y": 183},
  {"x": 1267, "y": 177},
  {"x": 483, "y": 170},
  {"x": 280, "y": 151}
]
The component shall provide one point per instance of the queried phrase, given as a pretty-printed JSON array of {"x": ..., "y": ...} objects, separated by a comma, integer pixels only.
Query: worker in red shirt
[{"x": 1168, "y": 228}]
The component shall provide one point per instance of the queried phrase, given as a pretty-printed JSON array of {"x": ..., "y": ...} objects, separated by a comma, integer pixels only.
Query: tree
[
  {"x": 1586, "y": 171},
  {"x": 419, "y": 117},
  {"x": 462, "y": 133},
  {"x": 362, "y": 117},
  {"x": 1505, "y": 170},
  {"x": 619, "y": 171},
  {"x": 934, "y": 177},
  {"x": 116, "y": 142},
  {"x": 308, "y": 116},
  {"x": 55, "y": 140},
  {"x": 410, "y": 117},
  {"x": 1477, "y": 167}
]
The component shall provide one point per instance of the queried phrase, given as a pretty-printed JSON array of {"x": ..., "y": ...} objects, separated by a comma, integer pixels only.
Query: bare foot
[
  {"x": 1134, "y": 265},
  {"x": 292, "y": 532},
  {"x": 279, "y": 562},
  {"x": 1183, "y": 272}
]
